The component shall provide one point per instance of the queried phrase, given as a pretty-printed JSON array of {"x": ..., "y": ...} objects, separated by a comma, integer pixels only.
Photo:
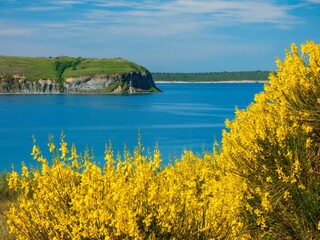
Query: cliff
[
  {"x": 133, "y": 82},
  {"x": 21, "y": 75}
]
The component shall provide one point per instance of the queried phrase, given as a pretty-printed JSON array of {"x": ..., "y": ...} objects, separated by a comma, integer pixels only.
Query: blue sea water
[{"x": 183, "y": 116}]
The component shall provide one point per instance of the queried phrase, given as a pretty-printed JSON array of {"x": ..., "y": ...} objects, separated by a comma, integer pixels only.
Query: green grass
[
  {"x": 102, "y": 66},
  {"x": 31, "y": 68},
  {"x": 46, "y": 68}
]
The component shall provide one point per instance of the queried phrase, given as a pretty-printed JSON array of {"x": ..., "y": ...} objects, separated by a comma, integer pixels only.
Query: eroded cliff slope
[{"x": 27, "y": 75}]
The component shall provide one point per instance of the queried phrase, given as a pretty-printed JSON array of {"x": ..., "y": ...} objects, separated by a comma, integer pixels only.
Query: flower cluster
[
  {"x": 273, "y": 146},
  {"x": 131, "y": 196}
]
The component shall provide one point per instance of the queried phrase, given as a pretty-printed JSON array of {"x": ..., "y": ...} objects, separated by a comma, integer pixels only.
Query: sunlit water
[{"x": 184, "y": 116}]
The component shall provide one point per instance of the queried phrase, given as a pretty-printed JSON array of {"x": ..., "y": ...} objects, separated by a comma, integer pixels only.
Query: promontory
[{"x": 39, "y": 75}]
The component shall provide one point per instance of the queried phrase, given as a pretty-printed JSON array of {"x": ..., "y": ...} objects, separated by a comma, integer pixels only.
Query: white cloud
[
  {"x": 168, "y": 17},
  {"x": 314, "y": 1},
  {"x": 40, "y": 9},
  {"x": 117, "y": 4},
  {"x": 246, "y": 11},
  {"x": 68, "y": 2},
  {"x": 9, "y": 30},
  {"x": 58, "y": 25},
  {"x": 15, "y": 32},
  {"x": 175, "y": 17}
]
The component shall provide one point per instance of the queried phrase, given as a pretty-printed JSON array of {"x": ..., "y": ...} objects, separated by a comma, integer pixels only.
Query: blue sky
[{"x": 164, "y": 36}]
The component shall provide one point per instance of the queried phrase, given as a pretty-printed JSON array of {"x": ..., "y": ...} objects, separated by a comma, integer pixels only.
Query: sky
[{"x": 164, "y": 36}]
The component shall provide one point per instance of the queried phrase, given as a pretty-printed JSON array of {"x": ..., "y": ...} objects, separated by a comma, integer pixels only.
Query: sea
[{"x": 181, "y": 117}]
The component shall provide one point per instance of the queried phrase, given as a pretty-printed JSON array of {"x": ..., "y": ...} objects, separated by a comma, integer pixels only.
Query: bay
[{"x": 183, "y": 116}]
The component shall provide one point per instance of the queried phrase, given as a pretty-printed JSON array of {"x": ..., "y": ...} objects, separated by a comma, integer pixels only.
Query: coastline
[{"x": 211, "y": 82}]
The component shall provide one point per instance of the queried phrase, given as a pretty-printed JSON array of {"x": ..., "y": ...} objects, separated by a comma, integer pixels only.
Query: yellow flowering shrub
[
  {"x": 130, "y": 197},
  {"x": 273, "y": 146}
]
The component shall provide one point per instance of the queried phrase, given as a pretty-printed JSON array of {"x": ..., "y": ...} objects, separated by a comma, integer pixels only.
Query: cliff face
[
  {"x": 18, "y": 84},
  {"x": 133, "y": 82}
]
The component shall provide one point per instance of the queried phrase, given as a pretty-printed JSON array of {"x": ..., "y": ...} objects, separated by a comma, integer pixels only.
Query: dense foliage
[
  {"x": 61, "y": 64},
  {"x": 274, "y": 147},
  {"x": 211, "y": 76},
  {"x": 129, "y": 197},
  {"x": 263, "y": 181}
]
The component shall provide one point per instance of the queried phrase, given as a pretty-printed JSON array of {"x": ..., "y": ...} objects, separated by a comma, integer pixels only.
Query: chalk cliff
[
  {"x": 127, "y": 83},
  {"x": 133, "y": 82}
]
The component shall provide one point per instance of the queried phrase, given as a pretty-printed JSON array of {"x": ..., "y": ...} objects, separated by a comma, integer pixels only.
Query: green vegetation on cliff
[
  {"x": 59, "y": 68},
  {"x": 211, "y": 76},
  {"x": 102, "y": 66},
  {"x": 31, "y": 68}
]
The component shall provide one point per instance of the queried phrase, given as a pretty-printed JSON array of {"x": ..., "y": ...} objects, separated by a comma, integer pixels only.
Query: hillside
[
  {"x": 67, "y": 74},
  {"x": 211, "y": 76}
]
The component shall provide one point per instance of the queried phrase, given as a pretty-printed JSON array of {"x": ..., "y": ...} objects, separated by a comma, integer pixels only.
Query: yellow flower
[
  {"x": 286, "y": 195},
  {"x": 269, "y": 179},
  {"x": 51, "y": 147},
  {"x": 308, "y": 142},
  {"x": 35, "y": 151}
]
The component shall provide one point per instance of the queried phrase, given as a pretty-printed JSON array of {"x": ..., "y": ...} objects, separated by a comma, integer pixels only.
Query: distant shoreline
[{"x": 211, "y": 82}]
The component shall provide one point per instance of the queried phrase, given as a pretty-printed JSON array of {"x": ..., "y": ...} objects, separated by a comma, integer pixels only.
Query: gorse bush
[
  {"x": 130, "y": 197},
  {"x": 263, "y": 181},
  {"x": 273, "y": 146},
  {"x": 5, "y": 192}
]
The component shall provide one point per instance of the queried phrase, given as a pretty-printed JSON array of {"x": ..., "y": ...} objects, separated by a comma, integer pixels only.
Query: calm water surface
[{"x": 184, "y": 116}]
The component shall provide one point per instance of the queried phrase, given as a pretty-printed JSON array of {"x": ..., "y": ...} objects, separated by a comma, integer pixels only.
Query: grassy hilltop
[
  {"x": 35, "y": 68},
  {"x": 29, "y": 75}
]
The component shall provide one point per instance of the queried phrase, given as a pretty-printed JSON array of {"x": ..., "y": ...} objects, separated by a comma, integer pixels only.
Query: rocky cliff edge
[{"x": 127, "y": 83}]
